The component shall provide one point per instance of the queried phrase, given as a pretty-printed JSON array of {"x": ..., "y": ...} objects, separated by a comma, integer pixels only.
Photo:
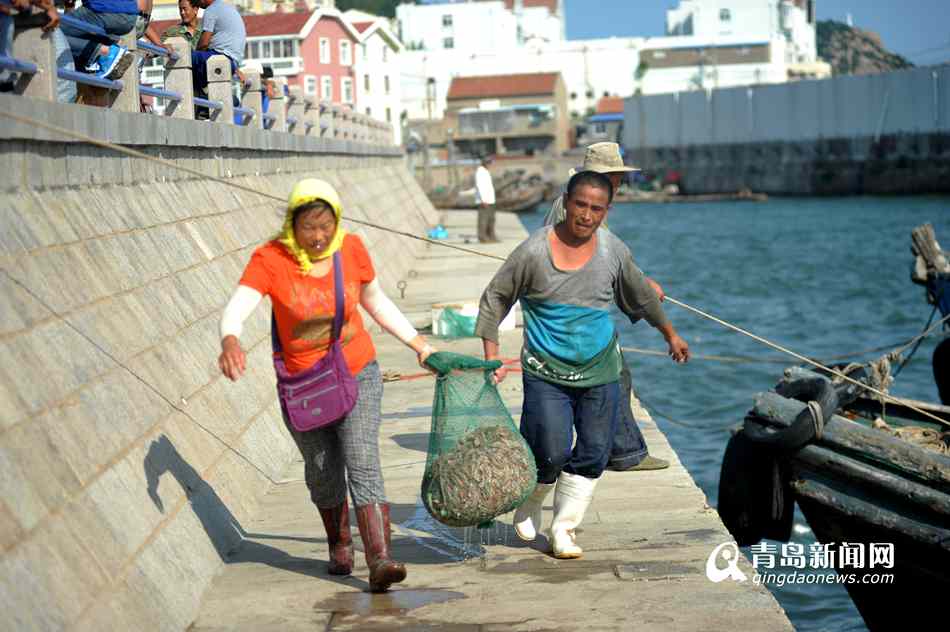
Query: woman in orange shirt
[{"x": 296, "y": 271}]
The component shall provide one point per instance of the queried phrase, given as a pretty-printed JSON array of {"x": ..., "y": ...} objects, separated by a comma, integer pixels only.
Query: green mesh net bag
[{"x": 478, "y": 466}]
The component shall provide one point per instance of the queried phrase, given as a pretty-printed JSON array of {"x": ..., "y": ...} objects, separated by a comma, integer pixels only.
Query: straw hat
[{"x": 603, "y": 158}]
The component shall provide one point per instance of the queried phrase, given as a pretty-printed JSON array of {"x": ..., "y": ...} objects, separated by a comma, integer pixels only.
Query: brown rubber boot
[
  {"x": 336, "y": 521},
  {"x": 373, "y": 520}
]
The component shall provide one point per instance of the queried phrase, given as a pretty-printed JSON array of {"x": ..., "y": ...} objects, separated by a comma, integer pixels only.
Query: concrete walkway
[{"x": 646, "y": 537}]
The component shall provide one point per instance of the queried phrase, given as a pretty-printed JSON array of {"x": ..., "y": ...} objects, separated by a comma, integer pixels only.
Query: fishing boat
[
  {"x": 515, "y": 192},
  {"x": 870, "y": 473}
]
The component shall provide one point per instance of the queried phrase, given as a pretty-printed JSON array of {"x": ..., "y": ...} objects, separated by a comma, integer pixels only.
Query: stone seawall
[
  {"x": 120, "y": 443},
  {"x": 894, "y": 164}
]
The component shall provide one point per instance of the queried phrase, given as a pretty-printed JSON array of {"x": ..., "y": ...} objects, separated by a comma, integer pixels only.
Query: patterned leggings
[{"x": 347, "y": 452}]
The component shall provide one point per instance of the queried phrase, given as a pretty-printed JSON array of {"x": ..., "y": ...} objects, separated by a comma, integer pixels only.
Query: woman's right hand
[{"x": 232, "y": 360}]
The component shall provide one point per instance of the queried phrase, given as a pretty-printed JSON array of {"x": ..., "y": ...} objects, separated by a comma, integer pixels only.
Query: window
[
  {"x": 448, "y": 42},
  {"x": 447, "y": 20},
  {"x": 385, "y": 53},
  {"x": 386, "y": 83},
  {"x": 369, "y": 111},
  {"x": 324, "y": 50},
  {"x": 345, "y": 53},
  {"x": 255, "y": 51},
  {"x": 289, "y": 48},
  {"x": 310, "y": 85},
  {"x": 389, "y": 115},
  {"x": 725, "y": 15},
  {"x": 265, "y": 49},
  {"x": 326, "y": 88},
  {"x": 366, "y": 83},
  {"x": 364, "y": 52},
  {"x": 346, "y": 87}
]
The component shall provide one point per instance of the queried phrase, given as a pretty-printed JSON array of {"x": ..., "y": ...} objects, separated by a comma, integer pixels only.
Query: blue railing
[
  {"x": 17, "y": 65},
  {"x": 156, "y": 50},
  {"x": 158, "y": 92},
  {"x": 247, "y": 113},
  {"x": 213, "y": 105},
  {"x": 89, "y": 80}
]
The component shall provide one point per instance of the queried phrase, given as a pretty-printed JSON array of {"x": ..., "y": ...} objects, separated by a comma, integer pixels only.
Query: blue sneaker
[{"x": 114, "y": 64}]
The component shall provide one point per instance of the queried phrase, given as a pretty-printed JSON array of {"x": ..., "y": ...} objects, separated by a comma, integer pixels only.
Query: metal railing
[{"x": 33, "y": 57}]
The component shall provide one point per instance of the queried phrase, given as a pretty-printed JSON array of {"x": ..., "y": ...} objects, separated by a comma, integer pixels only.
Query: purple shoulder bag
[{"x": 326, "y": 392}]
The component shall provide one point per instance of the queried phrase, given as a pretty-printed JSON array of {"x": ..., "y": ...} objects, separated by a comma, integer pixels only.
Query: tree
[{"x": 376, "y": 7}]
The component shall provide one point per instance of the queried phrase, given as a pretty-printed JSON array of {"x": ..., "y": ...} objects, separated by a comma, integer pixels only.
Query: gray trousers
[
  {"x": 346, "y": 452},
  {"x": 486, "y": 222}
]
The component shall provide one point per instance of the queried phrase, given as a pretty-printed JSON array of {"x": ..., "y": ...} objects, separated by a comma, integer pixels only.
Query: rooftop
[
  {"x": 503, "y": 85},
  {"x": 275, "y": 24},
  {"x": 610, "y": 105}
]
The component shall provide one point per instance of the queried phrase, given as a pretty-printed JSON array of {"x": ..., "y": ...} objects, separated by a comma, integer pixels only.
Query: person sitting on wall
[
  {"x": 97, "y": 53},
  {"x": 222, "y": 33},
  {"x": 48, "y": 21},
  {"x": 190, "y": 26}
]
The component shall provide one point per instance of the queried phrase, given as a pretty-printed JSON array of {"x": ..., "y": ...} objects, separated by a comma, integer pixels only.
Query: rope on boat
[
  {"x": 656, "y": 411},
  {"x": 818, "y": 365},
  {"x": 920, "y": 339},
  {"x": 173, "y": 165},
  {"x": 737, "y": 359}
]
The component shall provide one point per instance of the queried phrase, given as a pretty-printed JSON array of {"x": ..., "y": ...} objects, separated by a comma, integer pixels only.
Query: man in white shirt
[{"x": 485, "y": 195}]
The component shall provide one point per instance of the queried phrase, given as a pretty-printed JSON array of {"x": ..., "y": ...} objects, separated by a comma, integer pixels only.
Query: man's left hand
[{"x": 679, "y": 350}]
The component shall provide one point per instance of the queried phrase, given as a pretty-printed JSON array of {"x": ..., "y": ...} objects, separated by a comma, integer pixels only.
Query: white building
[
  {"x": 478, "y": 25},
  {"x": 710, "y": 44},
  {"x": 377, "y": 67},
  {"x": 591, "y": 69},
  {"x": 751, "y": 20},
  {"x": 724, "y": 43}
]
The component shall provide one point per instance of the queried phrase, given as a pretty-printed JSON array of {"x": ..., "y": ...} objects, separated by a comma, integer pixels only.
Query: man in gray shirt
[
  {"x": 629, "y": 451},
  {"x": 567, "y": 277},
  {"x": 223, "y": 33}
]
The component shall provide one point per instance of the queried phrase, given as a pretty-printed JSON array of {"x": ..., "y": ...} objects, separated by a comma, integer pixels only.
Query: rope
[
  {"x": 656, "y": 411},
  {"x": 138, "y": 377},
  {"x": 904, "y": 362},
  {"x": 172, "y": 165},
  {"x": 894, "y": 346},
  {"x": 799, "y": 356}
]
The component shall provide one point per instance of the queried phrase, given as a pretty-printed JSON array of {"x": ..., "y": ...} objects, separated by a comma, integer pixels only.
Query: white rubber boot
[
  {"x": 528, "y": 515},
  {"x": 571, "y": 499}
]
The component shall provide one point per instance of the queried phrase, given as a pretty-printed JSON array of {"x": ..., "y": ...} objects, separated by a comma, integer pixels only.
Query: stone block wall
[{"x": 127, "y": 462}]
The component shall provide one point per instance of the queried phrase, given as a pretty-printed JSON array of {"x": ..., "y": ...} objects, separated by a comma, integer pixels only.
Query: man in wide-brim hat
[{"x": 629, "y": 450}]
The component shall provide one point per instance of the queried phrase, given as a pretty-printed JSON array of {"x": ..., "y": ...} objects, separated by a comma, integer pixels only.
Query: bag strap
[{"x": 339, "y": 307}]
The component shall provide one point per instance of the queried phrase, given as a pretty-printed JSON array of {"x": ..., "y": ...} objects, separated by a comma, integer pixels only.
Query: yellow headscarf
[{"x": 306, "y": 192}]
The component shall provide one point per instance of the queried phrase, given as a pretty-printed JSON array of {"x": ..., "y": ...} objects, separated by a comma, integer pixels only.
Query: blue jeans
[
  {"x": 629, "y": 446},
  {"x": 65, "y": 89},
  {"x": 6, "y": 44},
  {"x": 85, "y": 46},
  {"x": 552, "y": 413}
]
